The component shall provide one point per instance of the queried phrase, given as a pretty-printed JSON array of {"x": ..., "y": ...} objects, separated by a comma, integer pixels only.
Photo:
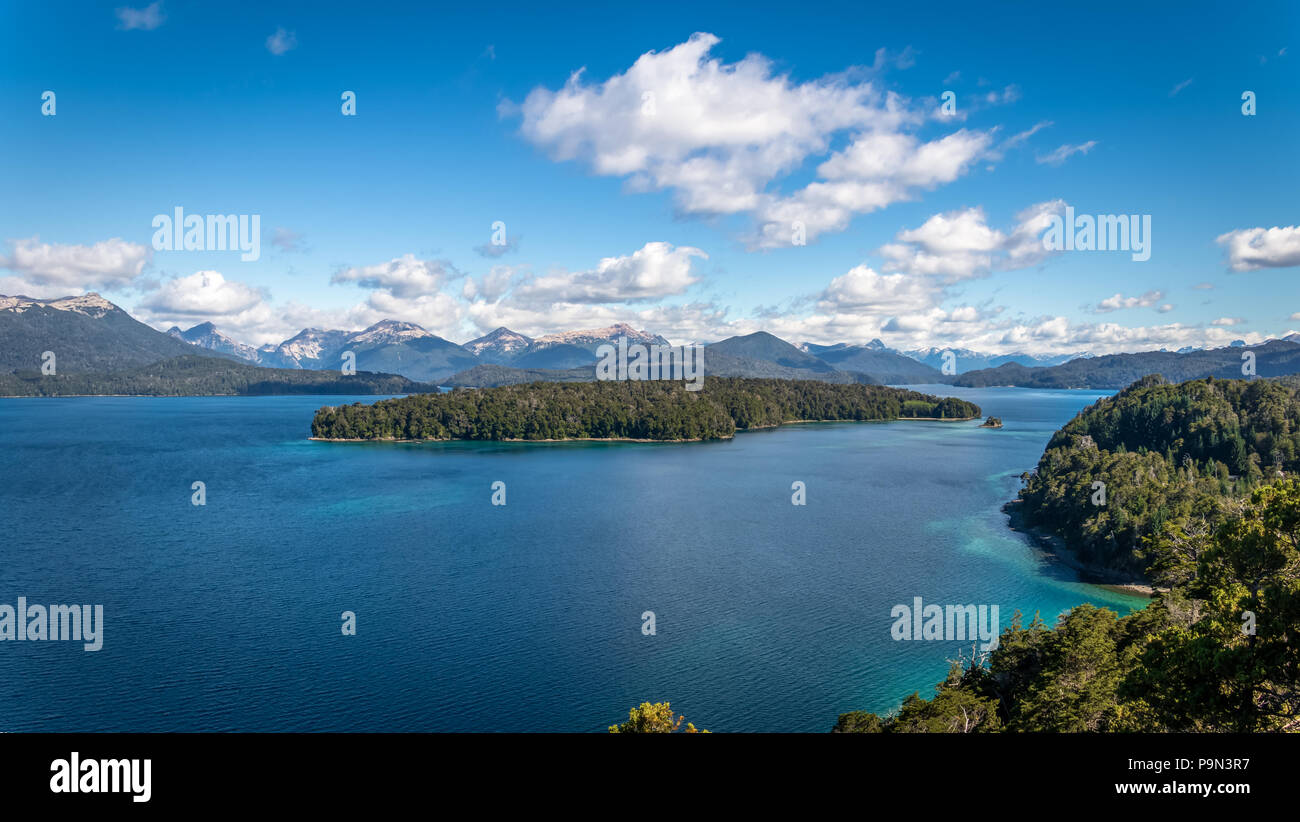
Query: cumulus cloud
[
  {"x": 403, "y": 277},
  {"x": 1064, "y": 152},
  {"x": 1119, "y": 301},
  {"x": 719, "y": 134},
  {"x": 1228, "y": 322},
  {"x": 241, "y": 311},
  {"x": 1251, "y": 248},
  {"x": 864, "y": 291},
  {"x": 654, "y": 271},
  {"x": 960, "y": 245},
  {"x": 202, "y": 294},
  {"x": 147, "y": 19},
  {"x": 406, "y": 288},
  {"x": 51, "y": 269},
  {"x": 493, "y": 285}
]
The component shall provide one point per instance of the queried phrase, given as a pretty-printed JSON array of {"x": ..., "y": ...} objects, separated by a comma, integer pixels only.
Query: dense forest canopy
[
  {"x": 194, "y": 375},
  {"x": 1219, "y": 652},
  {"x": 1213, "y": 514},
  {"x": 650, "y": 410},
  {"x": 1163, "y": 453}
]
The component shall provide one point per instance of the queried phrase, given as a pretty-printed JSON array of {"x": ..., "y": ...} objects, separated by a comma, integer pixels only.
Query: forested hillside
[
  {"x": 651, "y": 410},
  {"x": 1217, "y": 653},
  {"x": 1275, "y": 358},
  {"x": 1199, "y": 497},
  {"x": 1164, "y": 453},
  {"x": 194, "y": 375}
]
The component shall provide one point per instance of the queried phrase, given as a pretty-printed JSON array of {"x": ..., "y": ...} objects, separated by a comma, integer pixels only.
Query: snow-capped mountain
[
  {"x": 498, "y": 346},
  {"x": 90, "y": 305},
  {"x": 206, "y": 335},
  {"x": 593, "y": 338},
  {"x": 966, "y": 359},
  {"x": 386, "y": 332},
  {"x": 310, "y": 345},
  {"x": 86, "y": 333}
]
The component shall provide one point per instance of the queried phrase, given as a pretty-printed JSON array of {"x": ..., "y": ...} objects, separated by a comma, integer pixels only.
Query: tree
[{"x": 653, "y": 719}]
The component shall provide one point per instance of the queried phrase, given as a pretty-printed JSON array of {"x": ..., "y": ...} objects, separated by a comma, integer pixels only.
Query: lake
[{"x": 520, "y": 617}]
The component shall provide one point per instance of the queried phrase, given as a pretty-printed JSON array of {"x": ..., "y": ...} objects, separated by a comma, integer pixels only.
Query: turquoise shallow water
[{"x": 527, "y": 617}]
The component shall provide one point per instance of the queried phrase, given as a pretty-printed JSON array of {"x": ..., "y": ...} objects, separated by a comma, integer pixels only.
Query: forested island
[
  {"x": 196, "y": 376},
  {"x": 1199, "y": 499},
  {"x": 627, "y": 410}
]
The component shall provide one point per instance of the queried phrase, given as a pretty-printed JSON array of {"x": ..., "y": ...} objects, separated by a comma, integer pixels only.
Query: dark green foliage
[
  {"x": 194, "y": 375},
  {"x": 1219, "y": 651},
  {"x": 649, "y": 410},
  {"x": 1167, "y": 454},
  {"x": 103, "y": 339},
  {"x": 1273, "y": 359}
]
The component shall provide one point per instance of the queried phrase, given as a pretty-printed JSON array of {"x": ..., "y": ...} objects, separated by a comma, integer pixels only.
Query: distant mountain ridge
[
  {"x": 85, "y": 333},
  {"x": 1275, "y": 358},
  {"x": 90, "y": 334}
]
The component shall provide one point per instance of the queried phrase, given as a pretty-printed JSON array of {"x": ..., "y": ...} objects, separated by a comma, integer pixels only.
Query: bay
[{"x": 523, "y": 617}]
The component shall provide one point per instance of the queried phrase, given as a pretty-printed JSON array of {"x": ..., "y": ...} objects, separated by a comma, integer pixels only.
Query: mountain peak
[
  {"x": 589, "y": 337},
  {"x": 90, "y": 304},
  {"x": 497, "y": 343},
  {"x": 390, "y": 331}
]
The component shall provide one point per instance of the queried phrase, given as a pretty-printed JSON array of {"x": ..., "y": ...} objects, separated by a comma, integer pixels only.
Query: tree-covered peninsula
[
  {"x": 1199, "y": 494},
  {"x": 1160, "y": 454},
  {"x": 632, "y": 410}
]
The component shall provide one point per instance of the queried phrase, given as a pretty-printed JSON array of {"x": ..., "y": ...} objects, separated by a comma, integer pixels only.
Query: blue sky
[{"x": 663, "y": 185}]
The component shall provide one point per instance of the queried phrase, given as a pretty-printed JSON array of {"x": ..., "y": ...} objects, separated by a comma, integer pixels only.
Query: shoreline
[
  {"x": 634, "y": 439},
  {"x": 1055, "y": 549}
]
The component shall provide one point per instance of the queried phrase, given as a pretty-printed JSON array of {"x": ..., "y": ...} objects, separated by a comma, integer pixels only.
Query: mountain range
[{"x": 92, "y": 335}]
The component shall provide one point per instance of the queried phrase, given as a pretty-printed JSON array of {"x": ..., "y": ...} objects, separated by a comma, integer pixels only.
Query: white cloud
[
  {"x": 1174, "y": 91},
  {"x": 1119, "y": 301},
  {"x": 1251, "y": 248},
  {"x": 960, "y": 245},
  {"x": 654, "y": 271},
  {"x": 147, "y": 19},
  {"x": 50, "y": 269},
  {"x": 1228, "y": 322},
  {"x": 282, "y": 41},
  {"x": 404, "y": 277},
  {"x": 874, "y": 171},
  {"x": 718, "y": 134},
  {"x": 406, "y": 288},
  {"x": 493, "y": 285},
  {"x": 239, "y": 310},
  {"x": 202, "y": 294},
  {"x": 1064, "y": 152},
  {"x": 1016, "y": 139},
  {"x": 864, "y": 291}
]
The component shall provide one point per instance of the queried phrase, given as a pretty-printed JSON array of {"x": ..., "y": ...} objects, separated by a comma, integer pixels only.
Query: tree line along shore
[{"x": 627, "y": 410}]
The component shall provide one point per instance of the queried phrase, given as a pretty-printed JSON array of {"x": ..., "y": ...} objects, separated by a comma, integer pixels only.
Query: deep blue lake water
[{"x": 523, "y": 617}]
